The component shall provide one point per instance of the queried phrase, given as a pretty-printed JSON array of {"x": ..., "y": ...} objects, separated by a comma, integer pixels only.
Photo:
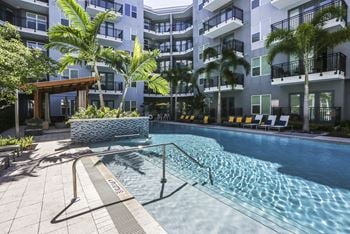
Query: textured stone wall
[{"x": 97, "y": 130}]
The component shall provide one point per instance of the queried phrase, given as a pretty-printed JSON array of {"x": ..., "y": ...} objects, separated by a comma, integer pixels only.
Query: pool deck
[{"x": 36, "y": 193}]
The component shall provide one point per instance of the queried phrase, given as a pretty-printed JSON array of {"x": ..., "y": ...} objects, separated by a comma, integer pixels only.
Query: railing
[
  {"x": 231, "y": 12},
  {"x": 137, "y": 149},
  {"x": 157, "y": 28},
  {"x": 181, "y": 26},
  {"x": 25, "y": 22},
  {"x": 108, "y": 5},
  {"x": 317, "y": 114},
  {"x": 306, "y": 17},
  {"x": 233, "y": 44},
  {"x": 183, "y": 47},
  {"x": 111, "y": 32},
  {"x": 179, "y": 89},
  {"x": 110, "y": 86},
  {"x": 213, "y": 82},
  {"x": 330, "y": 62}
]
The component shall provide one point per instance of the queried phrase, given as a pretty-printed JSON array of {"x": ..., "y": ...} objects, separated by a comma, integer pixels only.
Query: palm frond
[
  {"x": 69, "y": 59},
  {"x": 209, "y": 53},
  {"x": 78, "y": 17},
  {"x": 94, "y": 27},
  {"x": 331, "y": 39},
  {"x": 158, "y": 84},
  {"x": 285, "y": 47},
  {"x": 328, "y": 13},
  {"x": 278, "y": 35},
  {"x": 137, "y": 55},
  {"x": 245, "y": 64}
]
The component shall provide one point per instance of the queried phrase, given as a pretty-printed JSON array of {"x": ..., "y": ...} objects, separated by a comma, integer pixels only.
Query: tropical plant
[
  {"x": 140, "y": 66},
  {"x": 224, "y": 67},
  {"x": 305, "y": 41},
  {"x": 78, "y": 41},
  {"x": 19, "y": 64},
  {"x": 92, "y": 112},
  {"x": 23, "y": 142}
]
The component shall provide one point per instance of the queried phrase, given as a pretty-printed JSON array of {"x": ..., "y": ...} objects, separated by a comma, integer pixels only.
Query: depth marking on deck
[{"x": 115, "y": 187}]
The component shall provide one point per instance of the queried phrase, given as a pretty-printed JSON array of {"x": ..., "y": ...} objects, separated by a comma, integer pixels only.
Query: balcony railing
[
  {"x": 157, "y": 28},
  {"x": 179, "y": 89},
  {"x": 330, "y": 62},
  {"x": 23, "y": 22},
  {"x": 306, "y": 17},
  {"x": 317, "y": 114},
  {"x": 108, "y": 5},
  {"x": 111, "y": 32},
  {"x": 181, "y": 26},
  {"x": 228, "y": 13},
  {"x": 213, "y": 82},
  {"x": 233, "y": 44},
  {"x": 109, "y": 86},
  {"x": 182, "y": 47}
]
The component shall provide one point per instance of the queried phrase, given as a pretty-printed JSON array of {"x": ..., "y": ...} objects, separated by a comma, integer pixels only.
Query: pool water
[{"x": 298, "y": 182}]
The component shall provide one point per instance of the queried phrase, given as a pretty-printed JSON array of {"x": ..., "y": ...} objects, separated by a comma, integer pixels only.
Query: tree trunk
[
  {"x": 125, "y": 90},
  {"x": 17, "y": 114},
  {"x": 171, "y": 101},
  {"x": 97, "y": 74},
  {"x": 306, "y": 111},
  {"x": 218, "y": 118}
]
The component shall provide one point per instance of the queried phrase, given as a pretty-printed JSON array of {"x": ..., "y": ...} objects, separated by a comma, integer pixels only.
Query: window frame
[{"x": 260, "y": 104}]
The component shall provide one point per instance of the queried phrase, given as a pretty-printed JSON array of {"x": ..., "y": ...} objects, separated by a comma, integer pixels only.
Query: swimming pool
[{"x": 298, "y": 182}]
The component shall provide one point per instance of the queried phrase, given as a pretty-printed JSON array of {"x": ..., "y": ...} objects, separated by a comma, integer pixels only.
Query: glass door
[{"x": 294, "y": 20}]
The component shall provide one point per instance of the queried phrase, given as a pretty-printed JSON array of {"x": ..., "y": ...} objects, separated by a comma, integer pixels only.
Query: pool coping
[
  {"x": 335, "y": 140},
  {"x": 127, "y": 214}
]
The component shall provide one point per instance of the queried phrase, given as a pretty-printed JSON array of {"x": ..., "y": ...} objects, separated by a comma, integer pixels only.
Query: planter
[{"x": 97, "y": 130}]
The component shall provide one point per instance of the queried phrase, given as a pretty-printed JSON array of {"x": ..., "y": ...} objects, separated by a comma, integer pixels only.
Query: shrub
[
  {"x": 23, "y": 142},
  {"x": 92, "y": 112}
]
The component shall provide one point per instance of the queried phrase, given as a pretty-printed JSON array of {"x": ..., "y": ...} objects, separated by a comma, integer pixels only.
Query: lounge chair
[
  {"x": 238, "y": 121},
  {"x": 187, "y": 118},
  {"x": 230, "y": 121},
  {"x": 206, "y": 119},
  {"x": 192, "y": 118},
  {"x": 282, "y": 123},
  {"x": 256, "y": 122},
  {"x": 182, "y": 117},
  {"x": 271, "y": 120}
]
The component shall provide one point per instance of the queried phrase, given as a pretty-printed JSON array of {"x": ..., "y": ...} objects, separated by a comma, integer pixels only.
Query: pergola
[{"x": 80, "y": 85}]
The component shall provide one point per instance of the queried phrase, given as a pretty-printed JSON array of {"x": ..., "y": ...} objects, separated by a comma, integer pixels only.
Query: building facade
[{"x": 183, "y": 33}]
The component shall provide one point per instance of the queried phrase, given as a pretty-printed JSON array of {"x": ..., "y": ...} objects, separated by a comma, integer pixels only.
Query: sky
[{"x": 166, "y": 3}]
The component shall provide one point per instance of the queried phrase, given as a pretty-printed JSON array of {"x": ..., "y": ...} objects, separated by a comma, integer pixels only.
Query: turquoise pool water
[{"x": 298, "y": 182}]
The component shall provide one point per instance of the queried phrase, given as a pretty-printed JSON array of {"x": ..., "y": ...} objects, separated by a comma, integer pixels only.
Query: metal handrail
[{"x": 136, "y": 149}]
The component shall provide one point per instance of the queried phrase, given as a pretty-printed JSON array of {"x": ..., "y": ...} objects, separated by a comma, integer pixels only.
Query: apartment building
[{"x": 182, "y": 33}]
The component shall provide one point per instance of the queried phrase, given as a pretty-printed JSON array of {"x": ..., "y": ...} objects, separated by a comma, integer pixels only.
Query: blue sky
[{"x": 166, "y": 3}]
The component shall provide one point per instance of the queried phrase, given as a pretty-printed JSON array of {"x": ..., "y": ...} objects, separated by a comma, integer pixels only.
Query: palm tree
[
  {"x": 139, "y": 66},
  {"x": 224, "y": 67},
  {"x": 78, "y": 41},
  {"x": 307, "y": 40}
]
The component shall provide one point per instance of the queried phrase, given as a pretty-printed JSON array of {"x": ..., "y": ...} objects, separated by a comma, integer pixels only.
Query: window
[
  {"x": 255, "y": 4},
  {"x": 127, "y": 9},
  {"x": 108, "y": 103},
  {"x": 36, "y": 45},
  {"x": 130, "y": 106},
  {"x": 260, "y": 66},
  {"x": 295, "y": 103},
  {"x": 133, "y": 37},
  {"x": 70, "y": 74},
  {"x": 134, "y": 12},
  {"x": 261, "y": 104},
  {"x": 133, "y": 84},
  {"x": 255, "y": 37},
  {"x": 37, "y": 22},
  {"x": 65, "y": 22}
]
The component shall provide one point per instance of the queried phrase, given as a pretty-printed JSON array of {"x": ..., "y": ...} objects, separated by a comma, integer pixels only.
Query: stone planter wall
[{"x": 97, "y": 130}]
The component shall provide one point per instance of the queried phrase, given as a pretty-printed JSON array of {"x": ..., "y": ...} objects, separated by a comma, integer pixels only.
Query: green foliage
[
  {"x": 23, "y": 142},
  {"x": 92, "y": 112},
  {"x": 19, "y": 64},
  {"x": 140, "y": 66}
]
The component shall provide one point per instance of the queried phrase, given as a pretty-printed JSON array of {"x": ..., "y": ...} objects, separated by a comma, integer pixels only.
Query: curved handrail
[{"x": 135, "y": 149}]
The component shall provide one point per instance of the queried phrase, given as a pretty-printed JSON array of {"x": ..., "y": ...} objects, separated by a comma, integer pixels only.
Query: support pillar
[
  {"x": 82, "y": 99},
  {"x": 47, "y": 107},
  {"x": 37, "y": 104}
]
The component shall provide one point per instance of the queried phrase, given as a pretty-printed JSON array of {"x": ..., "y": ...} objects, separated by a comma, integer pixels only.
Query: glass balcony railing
[
  {"x": 157, "y": 28},
  {"x": 181, "y": 26},
  {"x": 330, "y": 62},
  {"x": 108, "y": 5},
  {"x": 307, "y": 16},
  {"x": 224, "y": 15},
  {"x": 111, "y": 32},
  {"x": 182, "y": 47},
  {"x": 213, "y": 82}
]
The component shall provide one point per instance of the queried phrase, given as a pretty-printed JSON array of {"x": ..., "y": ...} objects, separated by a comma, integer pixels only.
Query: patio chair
[
  {"x": 230, "y": 121},
  {"x": 271, "y": 120},
  {"x": 238, "y": 121},
  {"x": 281, "y": 124},
  {"x": 206, "y": 119},
  {"x": 192, "y": 118},
  {"x": 256, "y": 122},
  {"x": 182, "y": 117}
]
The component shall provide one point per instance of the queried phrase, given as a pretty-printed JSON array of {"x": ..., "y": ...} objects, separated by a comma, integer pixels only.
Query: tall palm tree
[
  {"x": 224, "y": 67},
  {"x": 140, "y": 66},
  {"x": 307, "y": 40},
  {"x": 78, "y": 41}
]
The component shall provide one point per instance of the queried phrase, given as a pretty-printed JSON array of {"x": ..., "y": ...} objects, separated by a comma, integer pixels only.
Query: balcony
[
  {"x": 185, "y": 90},
  {"x": 225, "y": 21},
  {"x": 233, "y": 44},
  {"x": 287, "y": 4},
  {"x": 183, "y": 49},
  {"x": 96, "y": 6},
  {"x": 39, "y": 6},
  {"x": 155, "y": 30},
  {"x": 323, "y": 68},
  {"x": 110, "y": 36},
  {"x": 29, "y": 27},
  {"x": 306, "y": 17},
  {"x": 182, "y": 29},
  {"x": 113, "y": 87},
  {"x": 211, "y": 85},
  {"x": 213, "y": 5}
]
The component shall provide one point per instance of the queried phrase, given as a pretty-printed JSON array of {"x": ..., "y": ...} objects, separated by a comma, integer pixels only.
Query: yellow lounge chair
[
  {"x": 187, "y": 117},
  {"x": 192, "y": 117},
  {"x": 248, "y": 120},
  {"x": 182, "y": 117},
  {"x": 238, "y": 121},
  {"x": 231, "y": 119},
  {"x": 206, "y": 119}
]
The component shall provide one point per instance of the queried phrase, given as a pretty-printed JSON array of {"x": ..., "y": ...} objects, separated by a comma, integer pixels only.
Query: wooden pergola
[{"x": 80, "y": 85}]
